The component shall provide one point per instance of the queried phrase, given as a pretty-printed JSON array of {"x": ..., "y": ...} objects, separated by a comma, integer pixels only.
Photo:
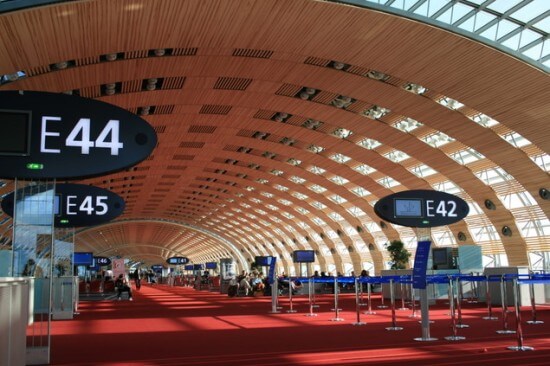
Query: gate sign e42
[
  {"x": 54, "y": 135},
  {"x": 421, "y": 208},
  {"x": 75, "y": 205}
]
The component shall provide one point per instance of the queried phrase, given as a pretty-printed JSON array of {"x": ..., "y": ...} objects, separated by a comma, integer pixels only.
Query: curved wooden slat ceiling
[{"x": 246, "y": 164}]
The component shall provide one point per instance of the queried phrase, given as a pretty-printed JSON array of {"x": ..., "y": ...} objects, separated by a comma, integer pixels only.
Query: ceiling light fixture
[
  {"x": 159, "y": 52},
  {"x": 111, "y": 56}
]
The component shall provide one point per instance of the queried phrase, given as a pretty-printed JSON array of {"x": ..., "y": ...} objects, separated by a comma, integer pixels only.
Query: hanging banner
[{"x": 118, "y": 267}]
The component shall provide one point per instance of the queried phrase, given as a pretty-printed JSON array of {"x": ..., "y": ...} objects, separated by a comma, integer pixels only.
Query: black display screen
[
  {"x": 211, "y": 265},
  {"x": 263, "y": 261},
  {"x": 303, "y": 256},
  {"x": 15, "y": 127},
  {"x": 408, "y": 207},
  {"x": 439, "y": 256}
]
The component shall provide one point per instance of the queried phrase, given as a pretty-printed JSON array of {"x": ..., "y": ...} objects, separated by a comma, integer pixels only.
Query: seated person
[
  {"x": 233, "y": 287},
  {"x": 296, "y": 285},
  {"x": 244, "y": 283},
  {"x": 121, "y": 284}
]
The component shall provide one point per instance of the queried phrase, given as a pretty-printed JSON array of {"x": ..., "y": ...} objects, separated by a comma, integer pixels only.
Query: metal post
[
  {"x": 454, "y": 336},
  {"x": 290, "y": 310},
  {"x": 488, "y": 299},
  {"x": 311, "y": 290},
  {"x": 336, "y": 309},
  {"x": 382, "y": 306},
  {"x": 357, "y": 303},
  {"x": 504, "y": 302},
  {"x": 520, "y": 346},
  {"x": 413, "y": 304},
  {"x": 369, "y": 301},
  {"x": 473, "y": 292},
  {"x": 392, "y": 300},
  {"x": 458, "y": 303},
  {"x": 425, "y": 314},
  {"x": 274, "y": 293},
  {"x": 314, "y": 305},
  {"x": 361, "y": 303},
  {"x": 403, "y": 294},
  {"x": 533, "y": 306}
]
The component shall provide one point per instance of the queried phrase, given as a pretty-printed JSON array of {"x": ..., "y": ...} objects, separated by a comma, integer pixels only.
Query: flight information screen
[{"x": 408, "y": 207}]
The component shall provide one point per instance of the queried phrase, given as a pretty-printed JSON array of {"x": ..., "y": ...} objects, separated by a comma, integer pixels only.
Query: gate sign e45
[
  {"x": 51, "y": 135},
  {"x": 75, "y": 205},
  {"x": 421, "y": 208}
]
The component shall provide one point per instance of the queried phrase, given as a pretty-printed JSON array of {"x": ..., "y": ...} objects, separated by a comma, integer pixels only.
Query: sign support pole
[{"x": 424, "y": 234}]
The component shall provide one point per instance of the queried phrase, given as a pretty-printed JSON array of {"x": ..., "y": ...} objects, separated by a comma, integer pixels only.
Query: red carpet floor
[{"x": 182, "y": 326}]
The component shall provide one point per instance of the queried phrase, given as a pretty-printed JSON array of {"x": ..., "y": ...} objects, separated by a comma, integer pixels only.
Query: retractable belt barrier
[{"x": 454, "y": 282}]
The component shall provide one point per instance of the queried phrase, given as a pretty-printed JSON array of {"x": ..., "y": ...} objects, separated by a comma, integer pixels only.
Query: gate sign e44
[
  {"x": 422, "y": 208},
  {"x": 55, "y": 135}
]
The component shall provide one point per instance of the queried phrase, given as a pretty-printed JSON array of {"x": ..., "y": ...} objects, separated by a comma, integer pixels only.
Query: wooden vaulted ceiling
[{"x": 276, "y": 122}]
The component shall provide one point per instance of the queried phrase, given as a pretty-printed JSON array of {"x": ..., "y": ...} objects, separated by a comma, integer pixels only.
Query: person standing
[{"x": 137, "y": 279}]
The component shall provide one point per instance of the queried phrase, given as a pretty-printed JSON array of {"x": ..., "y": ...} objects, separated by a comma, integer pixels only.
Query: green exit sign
[{"x": 35, "y": 166}]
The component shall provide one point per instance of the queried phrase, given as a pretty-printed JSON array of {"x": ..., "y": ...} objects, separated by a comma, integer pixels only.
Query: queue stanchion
[
  {"x": 454, "y": 336},
  {"x": 519, "y": 332},
  {"x": 459, "y": 303},
  {"x": 382, "y": 305},
  {"x": 490, "y": 315},
  {"x": 504, "y": 303},
  {"x": 403, "y": 293},
  {"x": 533, "y": 306},
  {"x": 313, "y": 298},
  {"x": 336, "y": 291},
  {"x": 311, "y": 291},
  {"x": 369, "y": 299},
  {"x": 361, "y": 302},
  {"x": 392, "y": 302},
  {"x": 291, "y": 309},
  {"x": 336, "y": 308},
  {"x": 274, "y": 297},
  {"x": 473, "y": 292},
  {"x": 357, "y": 303}
]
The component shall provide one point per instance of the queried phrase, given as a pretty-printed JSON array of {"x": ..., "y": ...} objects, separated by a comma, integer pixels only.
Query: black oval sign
[
  {"x": 421, "y": 208},
  {"x": 177, "y": 260},
  {"x": 102, "y": 261},
  {"x": 50, "y": 135},
  {"x": 75, "y": 205}
]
